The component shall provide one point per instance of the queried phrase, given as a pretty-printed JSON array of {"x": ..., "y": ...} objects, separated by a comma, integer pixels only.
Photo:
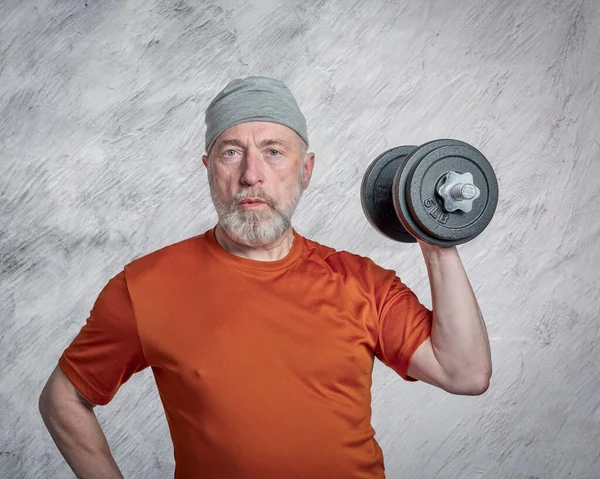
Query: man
[{"x": 262, "y": 341}]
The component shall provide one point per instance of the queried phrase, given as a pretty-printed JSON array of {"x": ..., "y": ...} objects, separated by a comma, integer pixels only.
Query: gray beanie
[{"x": 253, "y": 98}]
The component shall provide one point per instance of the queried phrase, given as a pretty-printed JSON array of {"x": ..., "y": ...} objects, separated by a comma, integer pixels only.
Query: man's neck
[{"x": 274, "y": 251}]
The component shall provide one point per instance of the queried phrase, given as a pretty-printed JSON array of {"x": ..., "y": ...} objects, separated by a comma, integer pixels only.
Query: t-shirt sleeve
[
  {"x": 107, "y": 350},
  {"x": 403, "y": 325}
]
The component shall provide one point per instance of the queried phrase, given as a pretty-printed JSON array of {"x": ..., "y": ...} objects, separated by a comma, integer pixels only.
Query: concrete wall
[{"x": 101, "y": 134}]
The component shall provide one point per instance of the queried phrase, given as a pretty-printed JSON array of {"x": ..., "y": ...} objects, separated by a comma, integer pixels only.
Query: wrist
[{"x": 435, "y": 251}]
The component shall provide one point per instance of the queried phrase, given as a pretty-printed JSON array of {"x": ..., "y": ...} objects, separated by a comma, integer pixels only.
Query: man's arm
[
  {"x": 73, "y": 425},
  {"x": 457, "y": 356}
]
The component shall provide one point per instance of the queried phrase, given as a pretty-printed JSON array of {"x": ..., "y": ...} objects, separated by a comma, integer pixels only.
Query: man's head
[{"x": 257, "y": 160}]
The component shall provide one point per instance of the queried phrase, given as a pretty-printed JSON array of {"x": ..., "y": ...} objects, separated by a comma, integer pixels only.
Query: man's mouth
[{"x": 252, "y": 202}]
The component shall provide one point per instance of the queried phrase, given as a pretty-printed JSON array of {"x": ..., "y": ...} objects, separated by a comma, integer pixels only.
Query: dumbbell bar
[{"x": 444, "y": 192}]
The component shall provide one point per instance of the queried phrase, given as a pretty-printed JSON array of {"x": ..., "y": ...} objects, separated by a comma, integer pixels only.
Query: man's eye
[
  {"x": 274, "y": 152},
  {"x": 230, "y": 153}
]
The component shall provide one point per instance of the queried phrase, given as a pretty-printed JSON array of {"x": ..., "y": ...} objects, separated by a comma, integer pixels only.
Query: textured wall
[{"x": 101, "y": 127}]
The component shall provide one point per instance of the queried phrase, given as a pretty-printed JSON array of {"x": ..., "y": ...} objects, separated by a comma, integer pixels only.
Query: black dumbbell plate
[
  {"x": 421, "y": 209},
  {"x": 376, "y": 194}
]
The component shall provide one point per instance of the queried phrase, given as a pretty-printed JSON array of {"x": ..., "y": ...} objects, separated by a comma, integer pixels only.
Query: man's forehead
[{"x": 260, "y": 132}]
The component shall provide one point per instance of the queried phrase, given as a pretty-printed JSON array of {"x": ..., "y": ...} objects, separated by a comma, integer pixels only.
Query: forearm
[
  {"x": 459, "y": 336},
  {"x": 79, "y": 438}
]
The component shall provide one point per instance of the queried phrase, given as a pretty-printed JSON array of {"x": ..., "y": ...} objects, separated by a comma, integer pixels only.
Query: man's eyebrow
[
  {"x": 232, "y": 142},
  {"x": 272, "y": 142},
  {"x": 263, "y": 143}
]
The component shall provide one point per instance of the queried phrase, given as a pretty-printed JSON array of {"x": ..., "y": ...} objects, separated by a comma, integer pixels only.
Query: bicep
[
  {"x": 424, "y": 366},
  {"x": 60, "y": 389}
]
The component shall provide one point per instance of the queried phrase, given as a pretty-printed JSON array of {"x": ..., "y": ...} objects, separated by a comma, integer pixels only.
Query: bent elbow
[
  {"x": 475, "y": 385},
  {"x": 480, "y": 379},
  {"x": 480, "y": 386}
]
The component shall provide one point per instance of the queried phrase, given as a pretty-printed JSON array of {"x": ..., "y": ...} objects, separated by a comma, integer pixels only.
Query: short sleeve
[
  {"x": 404, "y": 324},
  {"x": 107, "y": 350}
]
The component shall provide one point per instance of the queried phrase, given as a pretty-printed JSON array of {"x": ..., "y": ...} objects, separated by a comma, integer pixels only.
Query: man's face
[{"x": 257, "y": 172}]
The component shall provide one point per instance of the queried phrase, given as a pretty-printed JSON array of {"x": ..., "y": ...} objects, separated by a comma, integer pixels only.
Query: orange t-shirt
[{"x": 263, "y": 368}]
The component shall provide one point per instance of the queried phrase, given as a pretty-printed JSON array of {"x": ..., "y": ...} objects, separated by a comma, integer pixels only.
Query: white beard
[{"x": 259, "y": 227}]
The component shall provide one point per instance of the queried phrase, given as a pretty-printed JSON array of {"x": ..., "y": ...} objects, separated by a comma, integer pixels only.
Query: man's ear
[{"x": 205, "y": 160}]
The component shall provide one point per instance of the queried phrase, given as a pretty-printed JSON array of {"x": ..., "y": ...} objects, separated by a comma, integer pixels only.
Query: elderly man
[{"x": 262, "y": 341}]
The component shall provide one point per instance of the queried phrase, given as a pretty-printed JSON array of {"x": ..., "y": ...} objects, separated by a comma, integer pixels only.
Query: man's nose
[{"x": 253, "y": 168}]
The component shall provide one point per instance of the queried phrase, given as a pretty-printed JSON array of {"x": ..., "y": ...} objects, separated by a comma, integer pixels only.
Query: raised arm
[{"x": 457, "y": 356}]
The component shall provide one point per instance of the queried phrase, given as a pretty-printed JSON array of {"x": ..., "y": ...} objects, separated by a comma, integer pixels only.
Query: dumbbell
[{"x": 444, "y": 193}]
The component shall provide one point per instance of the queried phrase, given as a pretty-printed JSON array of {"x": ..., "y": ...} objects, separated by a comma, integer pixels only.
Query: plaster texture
[{"x": 101, "y": 136}]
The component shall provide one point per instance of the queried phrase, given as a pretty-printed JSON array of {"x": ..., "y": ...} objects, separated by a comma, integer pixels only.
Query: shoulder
[
  {"x": 347, "y": 263},
  {"x": 173, "y": 257}
]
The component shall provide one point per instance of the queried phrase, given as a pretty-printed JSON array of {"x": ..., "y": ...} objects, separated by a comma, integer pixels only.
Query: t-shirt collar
[{"x": 221, "y": 254}]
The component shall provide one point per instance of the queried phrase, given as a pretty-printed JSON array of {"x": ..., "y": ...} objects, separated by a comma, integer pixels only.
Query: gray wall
[{"x": 101, "y": 134}]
